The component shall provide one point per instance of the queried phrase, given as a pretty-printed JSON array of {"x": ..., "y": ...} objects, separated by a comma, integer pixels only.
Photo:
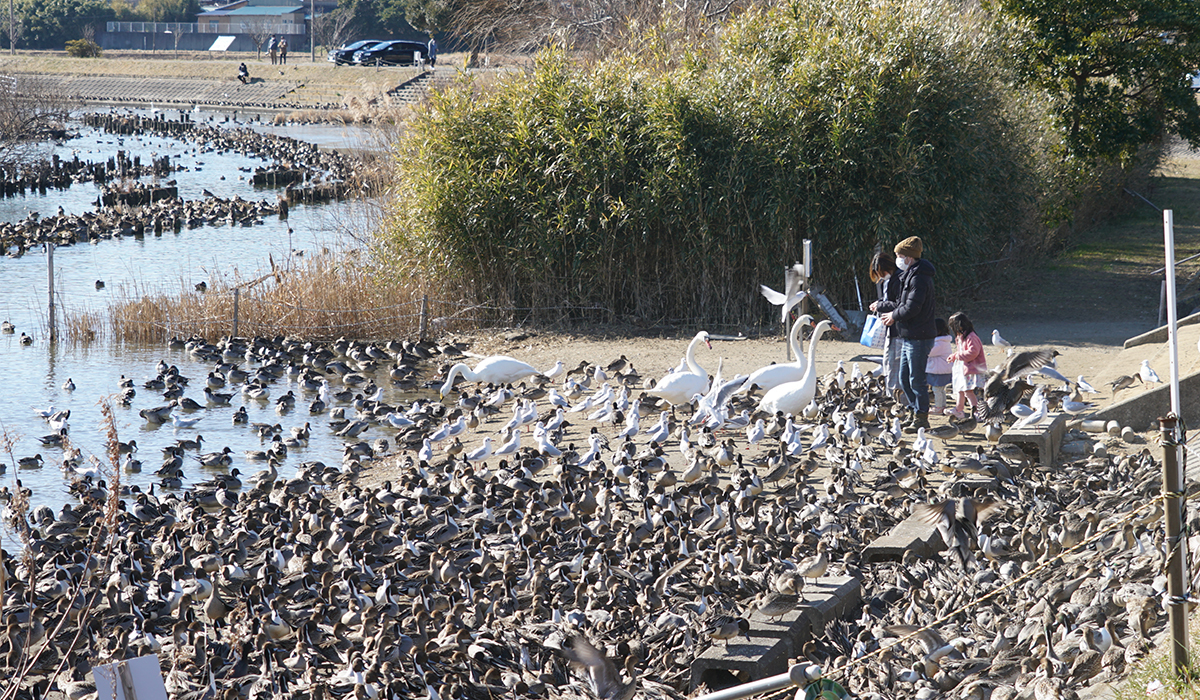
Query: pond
[{"x": 36, "y": 373}]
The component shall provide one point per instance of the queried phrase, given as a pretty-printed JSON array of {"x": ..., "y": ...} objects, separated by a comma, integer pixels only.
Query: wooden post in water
[
  {"x": 50, "y": 269},
  {"x": 424, "y": 324},
  {"x": 236, "y": 292}
]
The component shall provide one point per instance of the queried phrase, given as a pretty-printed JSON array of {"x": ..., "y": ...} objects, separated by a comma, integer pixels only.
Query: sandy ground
[
  {"x": 1090, "y": 351},
  {"x": 654, "y": 356}
]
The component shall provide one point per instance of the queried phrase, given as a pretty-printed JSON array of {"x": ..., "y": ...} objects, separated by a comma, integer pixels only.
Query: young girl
[
  {"x": 970, "y": 363},
  {"x": 937, "y": 367}
]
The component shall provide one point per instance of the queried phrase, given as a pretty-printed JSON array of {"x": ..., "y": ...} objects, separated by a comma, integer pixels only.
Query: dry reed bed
[{"x": 323, "y": 297}]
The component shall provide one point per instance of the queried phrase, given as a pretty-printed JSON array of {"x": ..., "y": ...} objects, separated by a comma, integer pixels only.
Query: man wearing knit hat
[{"x": 913, "y": 314}]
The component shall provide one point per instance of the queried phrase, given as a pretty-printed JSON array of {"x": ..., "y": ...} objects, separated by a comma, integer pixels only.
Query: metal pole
[
  {"x": 424, "y": 325},
  {"x": 1172, "y": 310},
  {"x": 312, "y": 24},
  {"x": 795, "y": 676},
  {"x": 1173, "y": 503},
  {"x": 1173, "y": 476},
  {"x": 50, "y": 270},
  {"x": 236, "y": 293},
  {"x": 808, "y": 270},
  {"x": 787, "y": 346}
]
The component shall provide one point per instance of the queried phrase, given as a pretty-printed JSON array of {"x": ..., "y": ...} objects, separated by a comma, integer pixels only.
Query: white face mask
[{"x": 902, "y": 263}]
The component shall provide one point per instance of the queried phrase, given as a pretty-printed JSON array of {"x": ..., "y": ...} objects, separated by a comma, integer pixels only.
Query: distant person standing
[
  {"x": 272, "y": 48},
  {"x": 913, "y": 313},
  {"x": 432, "y": 51},
  {"x": 283, "y": 51}
]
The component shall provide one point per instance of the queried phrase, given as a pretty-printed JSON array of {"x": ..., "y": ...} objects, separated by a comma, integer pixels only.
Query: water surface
[{"x": 36, "y": 373}]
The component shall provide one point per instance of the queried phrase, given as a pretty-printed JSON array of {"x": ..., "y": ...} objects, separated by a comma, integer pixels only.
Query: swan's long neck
[
  {"x": 812, "y": 349},
  {"x": 691, "y": 356},
  {"x": 794, "y": 338},
  {"x": 455, "y": 371}
]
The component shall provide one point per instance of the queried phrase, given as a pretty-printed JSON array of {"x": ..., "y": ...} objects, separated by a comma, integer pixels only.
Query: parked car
[
  {"x": 344, "y": 54},
  {"x": 391, "y": 53}
]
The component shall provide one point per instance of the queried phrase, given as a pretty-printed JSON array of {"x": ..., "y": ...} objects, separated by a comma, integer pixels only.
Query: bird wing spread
[
  {"x": 1023, "y": 364},
  {"x": 930, "y": 640},
  {"x": 601, "y": 671}
]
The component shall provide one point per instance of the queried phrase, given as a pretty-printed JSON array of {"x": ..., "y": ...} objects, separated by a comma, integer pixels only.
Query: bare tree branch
[
  {"x": 584, "y": 25},
  {"x": 31, "y": 111},
  {"x": 332, "y": 28}
]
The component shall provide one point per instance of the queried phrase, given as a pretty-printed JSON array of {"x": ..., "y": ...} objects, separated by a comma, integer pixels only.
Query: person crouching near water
[
  {"x": 243, "y": 74},
  {"x": 970, "y": 363},
  {"x": 913, "y": 313},
  {"x": 887, "y": 284},
  {"x": 937, "y": 368}
]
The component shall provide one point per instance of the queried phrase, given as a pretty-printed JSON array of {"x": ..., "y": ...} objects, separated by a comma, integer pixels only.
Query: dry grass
[
  {"x": 1154, "y": 677},
  {"x": 321, "y": 72},
  {"x": 325, "y": 296}
]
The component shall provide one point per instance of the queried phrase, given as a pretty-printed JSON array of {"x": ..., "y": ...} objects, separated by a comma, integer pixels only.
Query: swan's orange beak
[{"x": 708, "y": 343}]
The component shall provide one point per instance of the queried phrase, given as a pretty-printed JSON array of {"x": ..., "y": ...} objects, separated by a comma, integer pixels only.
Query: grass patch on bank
[
  {"x": 1154, "y": 677},
  {"x": 320, "y": 82}
]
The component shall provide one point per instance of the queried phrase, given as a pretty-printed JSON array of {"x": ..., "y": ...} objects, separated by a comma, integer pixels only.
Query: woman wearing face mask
[
  {"x": 912, "y": 313},
  {"x": 887, "y": 284}
]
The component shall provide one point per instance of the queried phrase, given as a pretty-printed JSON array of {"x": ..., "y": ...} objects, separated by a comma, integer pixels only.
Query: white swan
[
  {"x": 771, "y": 376},
  {"x": 497, "y": 369},
  {"x": 679, "y": 387},
  {"x": 792, "y": 397}
]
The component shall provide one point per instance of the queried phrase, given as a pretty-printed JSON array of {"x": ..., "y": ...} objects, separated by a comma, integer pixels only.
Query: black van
[{"x": 392, "y": 53}]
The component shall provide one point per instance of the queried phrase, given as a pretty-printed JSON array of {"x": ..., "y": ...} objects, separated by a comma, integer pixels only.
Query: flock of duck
[
  {"x": 584, "y": 553},
  {"x": 322, "y": 175}
]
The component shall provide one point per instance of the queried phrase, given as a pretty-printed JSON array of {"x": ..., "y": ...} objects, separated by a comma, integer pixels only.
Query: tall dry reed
[{"x": 323, "y": 296}]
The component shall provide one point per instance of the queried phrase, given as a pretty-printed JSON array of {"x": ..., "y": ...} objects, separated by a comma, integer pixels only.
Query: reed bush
[
  {"x": 666, "y": 181},
  {"x": 320, "y": 297}
]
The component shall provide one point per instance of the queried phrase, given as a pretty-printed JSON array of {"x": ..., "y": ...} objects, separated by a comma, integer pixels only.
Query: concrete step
[
  {"x": 1046, "y": 437},
  {"x": 773, "y": 641}
]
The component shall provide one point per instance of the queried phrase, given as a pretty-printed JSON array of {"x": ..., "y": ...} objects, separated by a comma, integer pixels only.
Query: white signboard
[
  {"x": 222, "y": 43},
  {"x": 132, "y": 679}
]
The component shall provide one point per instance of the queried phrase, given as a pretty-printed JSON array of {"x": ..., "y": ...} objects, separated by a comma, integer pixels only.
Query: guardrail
[{"x": 205, "y": 28}]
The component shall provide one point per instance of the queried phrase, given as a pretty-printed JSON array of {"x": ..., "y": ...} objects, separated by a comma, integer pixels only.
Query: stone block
[
  {"x": 1046, "y": 437},
  {"x": 829, "y": 598},
  {"x": 910, "y": 533},
  {"x": 749, "y": 660},
  {"x": 773, "y": 641}
]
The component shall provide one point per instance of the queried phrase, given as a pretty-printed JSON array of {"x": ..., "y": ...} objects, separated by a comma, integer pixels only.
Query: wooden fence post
[{"x": 50, "y": 270}]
